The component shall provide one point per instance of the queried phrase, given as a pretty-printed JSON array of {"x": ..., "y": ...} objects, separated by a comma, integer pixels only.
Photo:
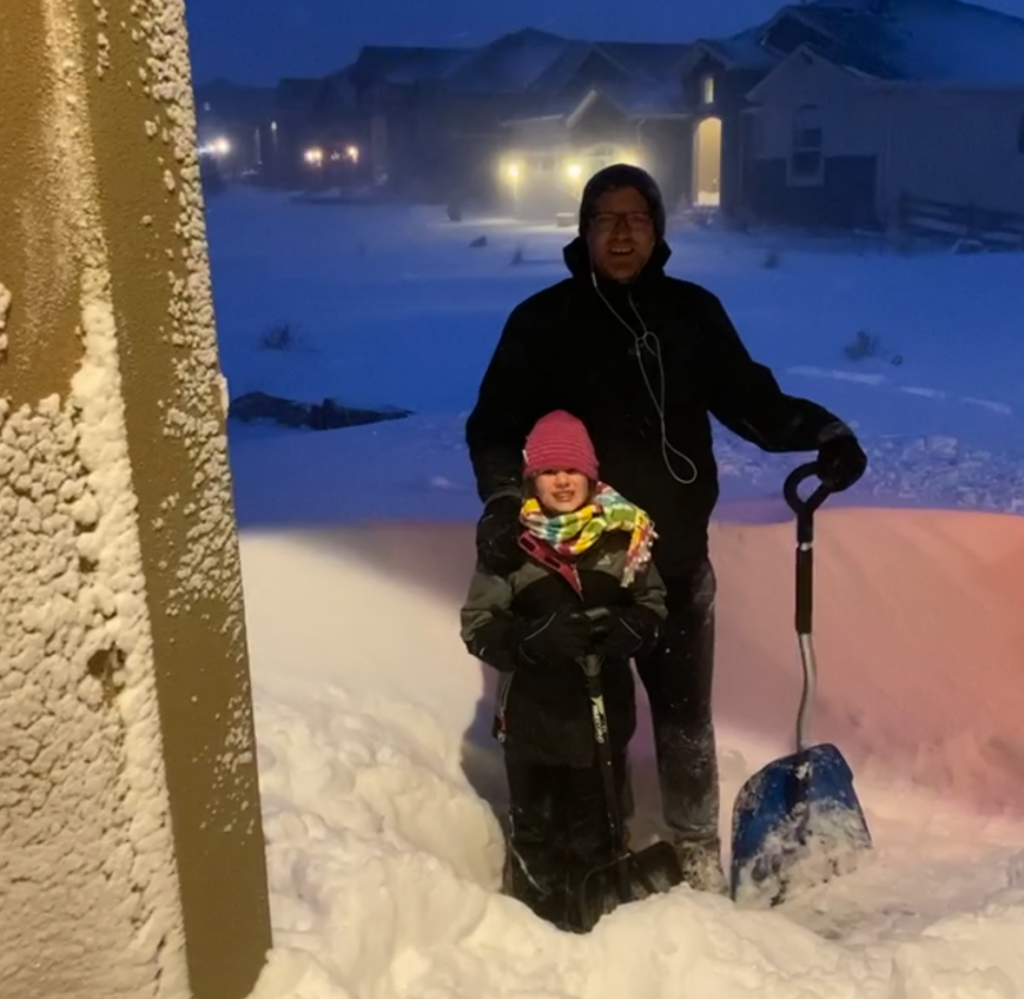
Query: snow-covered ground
[{"x": 378, "y": 772}]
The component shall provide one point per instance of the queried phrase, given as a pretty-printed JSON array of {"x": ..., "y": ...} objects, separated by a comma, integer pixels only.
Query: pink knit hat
[{"x": 559, "y": 443}]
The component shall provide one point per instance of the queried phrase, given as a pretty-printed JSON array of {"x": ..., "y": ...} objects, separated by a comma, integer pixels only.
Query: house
[
  {"x": 230, "y": 121},
  {"x": 394, "y": 88},
  {"x": 836, "y": 112},
  {"x": 715, "y": 78},
  {"x": 918, "y": 98},
  {"x": 441, "y": 120},
  {"x": 598, "y": 103},
  {"x": 548, "y": 157}
]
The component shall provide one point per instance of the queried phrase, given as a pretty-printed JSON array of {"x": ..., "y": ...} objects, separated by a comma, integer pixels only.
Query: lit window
[{"x": 707, "y": 89}]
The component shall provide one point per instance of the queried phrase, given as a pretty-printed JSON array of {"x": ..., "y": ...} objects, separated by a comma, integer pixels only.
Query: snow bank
[{"x": 384, "y": 859}]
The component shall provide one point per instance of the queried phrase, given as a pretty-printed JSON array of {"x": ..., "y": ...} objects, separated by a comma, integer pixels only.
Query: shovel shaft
[
  {"x": 804, "y": 610},
  {"x": 606, "y": 763}
]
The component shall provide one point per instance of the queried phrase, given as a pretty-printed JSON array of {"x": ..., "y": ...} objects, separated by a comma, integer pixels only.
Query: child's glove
[
  {"x": 564, "y": 635},
  {"x": 626, "y": 632}
]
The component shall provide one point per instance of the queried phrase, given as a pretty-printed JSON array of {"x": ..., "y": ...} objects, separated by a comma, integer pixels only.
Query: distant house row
[{"x": 833, "y": 112}]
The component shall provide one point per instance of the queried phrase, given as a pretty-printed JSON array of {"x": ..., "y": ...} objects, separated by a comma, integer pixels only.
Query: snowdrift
[{"x": 376, "y": 760}]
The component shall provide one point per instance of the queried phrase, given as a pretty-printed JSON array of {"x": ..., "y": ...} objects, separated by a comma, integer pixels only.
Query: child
[{"x": 589, "y": 548}]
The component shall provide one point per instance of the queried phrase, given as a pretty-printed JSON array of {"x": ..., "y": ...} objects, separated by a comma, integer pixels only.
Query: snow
[
  {"x": 380, "y": 780},
  {"x": 374, "y": 746},
  {"x": 5, "y": 308}
]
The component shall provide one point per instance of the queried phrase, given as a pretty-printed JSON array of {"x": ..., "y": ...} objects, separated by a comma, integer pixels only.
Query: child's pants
[{"x": 558, "y": 830}]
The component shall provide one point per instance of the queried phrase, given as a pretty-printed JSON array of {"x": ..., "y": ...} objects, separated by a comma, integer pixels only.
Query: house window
[
  {"x": 807, "y": 161},
  {"x": 707, "y": 89}
]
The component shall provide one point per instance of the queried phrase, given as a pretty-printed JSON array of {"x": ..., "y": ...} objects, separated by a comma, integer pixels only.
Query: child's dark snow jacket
[{"x": 543, "y": 711}]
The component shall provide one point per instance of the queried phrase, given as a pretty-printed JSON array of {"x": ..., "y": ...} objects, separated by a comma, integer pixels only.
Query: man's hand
[
  {"x": 497, "y": 536},
  {"x": 841, "y": 460}
]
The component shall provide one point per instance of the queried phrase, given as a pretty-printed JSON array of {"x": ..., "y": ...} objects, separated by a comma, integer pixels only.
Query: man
[{"x": 643, "y": 359}]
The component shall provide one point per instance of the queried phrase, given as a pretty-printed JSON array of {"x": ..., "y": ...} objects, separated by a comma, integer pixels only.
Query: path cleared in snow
[{"x": 374, "y": 753}]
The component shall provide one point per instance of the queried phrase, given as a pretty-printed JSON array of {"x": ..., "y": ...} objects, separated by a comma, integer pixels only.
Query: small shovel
[
  {"x": 797, "y": 822},
  {"x": 628, "y": 876}
]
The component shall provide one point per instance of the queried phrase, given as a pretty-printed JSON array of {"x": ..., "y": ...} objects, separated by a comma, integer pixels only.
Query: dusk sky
[{"x": 259, "y": 41}]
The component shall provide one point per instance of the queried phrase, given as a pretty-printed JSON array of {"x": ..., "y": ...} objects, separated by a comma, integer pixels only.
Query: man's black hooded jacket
[{"x": 565, "y": 348}]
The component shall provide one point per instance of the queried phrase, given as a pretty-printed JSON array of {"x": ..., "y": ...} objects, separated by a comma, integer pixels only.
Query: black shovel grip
[
  {"x": 804, "y": 590},
  {"x": 804, "y": 510}
]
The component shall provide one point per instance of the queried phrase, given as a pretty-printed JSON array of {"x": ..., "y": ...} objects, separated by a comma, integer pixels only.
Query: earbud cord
[{"x": 659, "y": 398}]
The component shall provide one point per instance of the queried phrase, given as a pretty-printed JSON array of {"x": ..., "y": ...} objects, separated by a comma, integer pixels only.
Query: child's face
[{"x": 562, "y": 491}]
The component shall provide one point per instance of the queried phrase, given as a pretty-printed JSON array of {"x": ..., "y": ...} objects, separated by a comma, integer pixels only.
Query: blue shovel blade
[{"x": 796, "y": 823}]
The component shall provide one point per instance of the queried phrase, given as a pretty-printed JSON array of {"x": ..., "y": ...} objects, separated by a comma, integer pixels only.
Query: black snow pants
[
  {"x": 558, "y": 831},
  {"x": 677, "y": 676}
]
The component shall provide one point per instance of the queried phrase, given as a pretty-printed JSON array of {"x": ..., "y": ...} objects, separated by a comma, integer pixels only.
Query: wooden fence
[{"x": 945, "y": 222}]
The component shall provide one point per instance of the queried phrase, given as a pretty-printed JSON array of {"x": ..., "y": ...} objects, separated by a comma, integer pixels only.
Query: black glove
[
  {"x": 564, "y": 635},
  {"x": 626, "y": 632},
  {"x": 841, "y": 460},
  {"x": 497, "y": 536}
]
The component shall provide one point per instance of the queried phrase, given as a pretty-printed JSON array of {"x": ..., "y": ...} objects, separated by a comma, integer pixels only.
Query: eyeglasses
[{"x": 609, "y": 221}]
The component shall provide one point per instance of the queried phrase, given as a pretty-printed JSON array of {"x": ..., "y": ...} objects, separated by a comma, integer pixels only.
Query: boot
[{"x": 701, "y": 863}]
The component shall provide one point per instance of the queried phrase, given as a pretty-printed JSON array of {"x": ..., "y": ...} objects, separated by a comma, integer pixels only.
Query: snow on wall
[
  {"x": 208, "y": 566},
  {"x": 88, "y": 889},
  {"x": 5, "y": 307}
]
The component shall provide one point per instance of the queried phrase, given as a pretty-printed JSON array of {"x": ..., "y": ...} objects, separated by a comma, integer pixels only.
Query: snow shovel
[
  {"x": 628, "y": 876},
  {"x": 797, "y": 822}
]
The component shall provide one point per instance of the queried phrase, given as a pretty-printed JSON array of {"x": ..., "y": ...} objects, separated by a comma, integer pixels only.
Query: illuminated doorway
[{"x": 707, "y": 162}]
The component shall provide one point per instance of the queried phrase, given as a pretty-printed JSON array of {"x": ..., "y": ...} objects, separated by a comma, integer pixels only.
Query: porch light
[
  {"x": 353, "y": 153},
  {"x": 574, "y": 171},
  {"x": 513, "y": 171},
  {"x": 314, "y": 156}
]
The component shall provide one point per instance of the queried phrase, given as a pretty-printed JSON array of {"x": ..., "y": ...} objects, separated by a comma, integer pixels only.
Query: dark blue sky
[{"x": 258, "y": 41}]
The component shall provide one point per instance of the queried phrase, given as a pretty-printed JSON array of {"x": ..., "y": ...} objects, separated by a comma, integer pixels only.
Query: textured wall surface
[{"x": 131, "y": 847}]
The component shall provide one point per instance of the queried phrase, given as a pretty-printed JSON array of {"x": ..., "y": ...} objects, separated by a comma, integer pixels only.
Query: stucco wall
[{"x": 131, "y": 849}]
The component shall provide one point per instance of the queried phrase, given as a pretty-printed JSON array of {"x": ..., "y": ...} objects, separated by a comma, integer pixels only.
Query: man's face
[{"x": 620, "y": 234}]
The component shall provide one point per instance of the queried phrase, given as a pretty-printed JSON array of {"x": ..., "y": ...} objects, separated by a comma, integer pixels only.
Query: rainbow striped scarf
[{"x": 571, "y": 534}]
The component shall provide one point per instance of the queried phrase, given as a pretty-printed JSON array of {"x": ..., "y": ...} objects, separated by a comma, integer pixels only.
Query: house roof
[
  {"x": 740, "y": 51},
  {"x": 914, "y": 40},
  {"x": 633, "y": 100},
  {"x": 405, "y": 64},
  {"x": 297, "y": 92},
  {"x": 921, "y": 40},
  {"x": 538, "y": 60},
  {"x": 655, "y": 61},
  {"x": 511, "y": 64}
]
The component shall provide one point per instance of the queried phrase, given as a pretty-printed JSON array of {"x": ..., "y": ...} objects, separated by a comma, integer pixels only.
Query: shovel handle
[{"x": 804, "y": 508}]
